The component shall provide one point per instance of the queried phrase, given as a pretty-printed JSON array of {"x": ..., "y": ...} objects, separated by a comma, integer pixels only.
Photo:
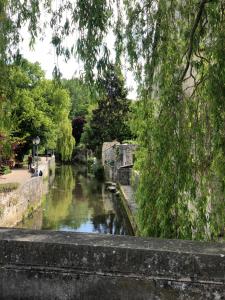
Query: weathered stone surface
[
  {"x": 124, "y": 175},
  {"x": 127, "y": 197},
  {"x": 16, "y": 204},
  {"x": 115, "y": 156},
  {"x": 66, "y": 285},
  {"x": 62, "y": 265}
]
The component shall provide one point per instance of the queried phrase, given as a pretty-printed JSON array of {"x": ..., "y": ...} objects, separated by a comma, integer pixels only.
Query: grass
[{"x": 8, "y": 187}]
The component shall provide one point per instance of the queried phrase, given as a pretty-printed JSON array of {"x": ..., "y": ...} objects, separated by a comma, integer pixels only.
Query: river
[{"x": 79, "y": 203}]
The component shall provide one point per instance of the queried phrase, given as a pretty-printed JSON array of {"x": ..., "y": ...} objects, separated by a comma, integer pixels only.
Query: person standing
[{"x": 30, "y": 162}]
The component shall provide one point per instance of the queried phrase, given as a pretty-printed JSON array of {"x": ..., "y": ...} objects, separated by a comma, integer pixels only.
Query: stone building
[{"x": 118, "y": 160}]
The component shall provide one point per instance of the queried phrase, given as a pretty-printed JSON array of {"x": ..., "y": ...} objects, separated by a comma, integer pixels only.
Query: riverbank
[
  {"x": 130, "y": 205},
  {"x": 20, "y": 202}
]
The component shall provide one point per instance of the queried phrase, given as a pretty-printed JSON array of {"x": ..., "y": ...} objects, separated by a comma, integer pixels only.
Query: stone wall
[
  {"x": 108, "y": 152},
  {"x": 16, "y": 205},
  {"x": 124, "y": 175},
  {"x": 115, "y": 156},
  {"x": 57, "y": 265},
  {"x": 126, "y": 154},
  {"x": 109, "y": 159}
]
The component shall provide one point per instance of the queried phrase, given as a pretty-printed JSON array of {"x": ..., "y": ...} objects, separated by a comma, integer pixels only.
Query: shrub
[
  {"x": 98, "y": 171},
  {"x": 90, "y": 163},
  {"x": 4, "y": 169}
]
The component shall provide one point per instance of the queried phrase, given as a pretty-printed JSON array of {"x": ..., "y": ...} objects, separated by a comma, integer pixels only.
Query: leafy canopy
[
  {"x": 108, "y": 121},
  {"x": 38, "y": 107},
  {"x": 176, "y": 49}
]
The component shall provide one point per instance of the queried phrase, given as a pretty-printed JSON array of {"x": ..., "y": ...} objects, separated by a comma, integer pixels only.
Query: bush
[
  {"x": 5, "y": 170},
  {"x": 90, "y": 163},
  {"x": 8, "y": 187},
  {"x": 98, "y": 171}
]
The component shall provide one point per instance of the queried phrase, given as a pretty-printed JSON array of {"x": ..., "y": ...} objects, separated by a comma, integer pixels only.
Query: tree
[
  {"x": 180, "y": 119},
  {"x": 176, "y": 49},
  {"x": 109, "y": 120},
  {"x": 39, "y": 107},
  {"x": 81, "y": 96},
  {"x": 78, "y": 128}
]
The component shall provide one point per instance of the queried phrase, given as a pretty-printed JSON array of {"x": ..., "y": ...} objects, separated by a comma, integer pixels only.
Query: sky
[{"x": 44, "y": 53}]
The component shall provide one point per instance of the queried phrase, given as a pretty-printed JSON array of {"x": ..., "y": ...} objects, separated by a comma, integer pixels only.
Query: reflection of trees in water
[
  {"x": 109, "y": 223},
  {"x": 75, "y": 201},
  {"x": 58, "y": 206},
  {"x": 113, "y": 222},
  {"x": 91, "y": 186},
  {"x": 103, "y": 221},
  {"x": 65, "y": 178},
  {"x": 85, "y": 187},
  {"x": 78, "y": 191},
  {"x": 92, "y": 193}
]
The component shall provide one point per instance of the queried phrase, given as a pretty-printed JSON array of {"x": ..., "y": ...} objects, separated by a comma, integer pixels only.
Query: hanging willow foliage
[
  {"x": 182, "y": 151},
  {"x": 176, "y": 49}
]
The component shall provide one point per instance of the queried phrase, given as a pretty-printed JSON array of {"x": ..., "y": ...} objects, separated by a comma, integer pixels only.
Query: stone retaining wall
[
  {"x": 16, "y": 205},
  {"x": 124, "y": 175},
  {"x": 127, "y": 197},
  {"x": 65, "y": 265}
]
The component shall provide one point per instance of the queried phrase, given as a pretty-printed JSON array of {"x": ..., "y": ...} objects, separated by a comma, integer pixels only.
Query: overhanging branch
[{"x": 192, "y": 35}]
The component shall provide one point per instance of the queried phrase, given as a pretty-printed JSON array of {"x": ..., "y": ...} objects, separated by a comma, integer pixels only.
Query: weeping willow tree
[
  {"x": 4, "y": 121},
  {"x": 176, "y": 49}
]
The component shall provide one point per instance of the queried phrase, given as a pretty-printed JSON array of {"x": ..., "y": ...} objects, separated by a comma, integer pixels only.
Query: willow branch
[{"x": 192, "y": 36}]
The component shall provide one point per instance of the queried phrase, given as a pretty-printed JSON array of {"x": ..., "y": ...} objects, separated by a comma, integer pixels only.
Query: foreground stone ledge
[{"x": 68, "y": 265}]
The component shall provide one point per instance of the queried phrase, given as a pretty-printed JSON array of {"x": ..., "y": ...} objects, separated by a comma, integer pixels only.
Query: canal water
[{"x": 79, "y": 203}]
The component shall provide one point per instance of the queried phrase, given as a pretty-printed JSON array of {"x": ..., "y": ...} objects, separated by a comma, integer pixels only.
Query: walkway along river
[{"x": 81, "y": 204}]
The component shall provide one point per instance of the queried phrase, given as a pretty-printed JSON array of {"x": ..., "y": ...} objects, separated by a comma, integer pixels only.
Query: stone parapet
[{"x": 63, "y": 265}]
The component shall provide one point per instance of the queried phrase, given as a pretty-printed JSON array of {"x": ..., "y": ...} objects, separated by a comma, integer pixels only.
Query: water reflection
[{"x": 77, "y": 203}]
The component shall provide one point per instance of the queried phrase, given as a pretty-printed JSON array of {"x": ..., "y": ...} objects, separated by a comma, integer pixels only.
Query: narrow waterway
[{"x": 78, "y": 203}]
